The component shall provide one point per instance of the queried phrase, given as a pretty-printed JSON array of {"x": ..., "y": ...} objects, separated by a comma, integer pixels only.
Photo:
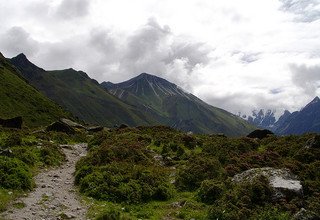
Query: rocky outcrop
[
  {"x": 71, "y": 123},
  {"x": 94, "y": 128},
  {"x": 260, "y": 134},
  {"x": 122, "y": 126},
  {"x": 12, "y": 122},
  {"x": 60, "y": 127},
  {"x": 68, "y": 126},
  {"x": 284, "y": 183}
]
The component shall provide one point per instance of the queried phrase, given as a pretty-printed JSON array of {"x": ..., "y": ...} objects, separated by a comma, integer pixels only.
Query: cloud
[
  {"x": 69, "y": 9},
  {"x": 304, "y": 10},
  {"x": 151, "y": 48},
  {"x": 306, "y": 77},
  {"x": 233, "y": 54},
  {"x": 16, "y": 40}
]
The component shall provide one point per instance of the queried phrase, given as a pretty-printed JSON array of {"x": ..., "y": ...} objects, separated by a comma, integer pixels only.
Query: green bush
[
  {"x": 210, "y": 191},
  {"x": 51, "y": 155},
  {"x": 197, "y": 169},
  {"x": 110, "y": 215},
  {"x": 25, "y": 154},
  {"x": 14, "y": 174},
  {"x": 14, "y": 139},
  {"x": 125, "y": 182}
]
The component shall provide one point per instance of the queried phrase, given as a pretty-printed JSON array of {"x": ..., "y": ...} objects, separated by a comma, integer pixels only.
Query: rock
[
  {"x": 313, "y": 142},
  {"x": 71, "y": 123},
  {"x": 179, "y": 204},
  {"x": 60, "y": 127},
  {"x": 41, "y": 131},
  {"x": 159, "y": 159},
  {"x": 67, "y": 146},
  {"x": 94, "y": 128},
  {"x": 6, "y": 152},
  {"x": 67, "y": 216},
  {"x": 122, "y": 126},
  {"x": 305, "y": 215},
  {"x": 260, "y": 134},
  {"x": 12, "y": 122},
  {"x": 284, "y": 183}
]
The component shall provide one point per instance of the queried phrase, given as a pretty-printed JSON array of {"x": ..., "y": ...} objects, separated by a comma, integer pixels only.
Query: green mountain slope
[
  {"x": 177, "y": 108},
  {"x": 81, "y": 95},
  {"x": 18, "y": 98}
]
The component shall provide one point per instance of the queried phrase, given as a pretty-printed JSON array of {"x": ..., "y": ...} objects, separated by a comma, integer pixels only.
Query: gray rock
[
  {"x": 281, "y": 180},
  {"x": 71, "y": 123},
  {"x": 60, "y": 127},
  {"x": 94, "y": 128},
  {"x": 305, "y": 215}
]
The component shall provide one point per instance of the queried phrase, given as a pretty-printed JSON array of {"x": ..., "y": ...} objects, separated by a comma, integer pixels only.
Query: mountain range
[
  {"x": 42, "y": 96},
  {"x": 298, "y": 122},
  {"x": 142, "y": 100}
]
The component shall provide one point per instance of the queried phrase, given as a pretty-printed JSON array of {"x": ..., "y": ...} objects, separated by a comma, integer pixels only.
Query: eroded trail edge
[{"x": 55, "y": 196}]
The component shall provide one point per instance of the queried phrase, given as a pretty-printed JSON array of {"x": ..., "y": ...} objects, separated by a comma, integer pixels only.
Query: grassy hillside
[
  {"x": 161, "y": 173},
  {"x": 80, "y": 95},
  {"x": 18, "y": 98}
]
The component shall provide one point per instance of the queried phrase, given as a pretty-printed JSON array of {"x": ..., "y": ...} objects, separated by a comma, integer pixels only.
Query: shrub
[
  {"x": 189, "y": 141},
  {"x": 110, "y": 215},
  {"x": 198, "y": 168},
  {"x": 14, "y": 174},
  {"x": 125, "y": 182},
  {"x": 210, "y": 191},
  {"x": 14, "y": 139},
  {"x": 25, "y": 154},
  {"x": 51, "y": 155}
]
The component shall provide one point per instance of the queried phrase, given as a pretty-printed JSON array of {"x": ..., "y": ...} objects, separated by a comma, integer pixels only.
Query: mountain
[
  {"x": 175, "y": 107},
  {"x": 299, "y": 122},
  {"x": 81, "y": 95},
  {"x": 18, "y": 98},
  {"x": 262, "y": 118}
]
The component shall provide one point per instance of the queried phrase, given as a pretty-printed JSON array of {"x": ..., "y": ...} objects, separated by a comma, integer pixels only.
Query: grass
[
  {"x": 6, "y": 197},
  {"x": 182, "y": 206}
]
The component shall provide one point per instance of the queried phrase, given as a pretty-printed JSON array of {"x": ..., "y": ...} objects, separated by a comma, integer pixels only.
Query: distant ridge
[
  {"x": 176, "y": 107},
  {"x": 299, "y": 122}
]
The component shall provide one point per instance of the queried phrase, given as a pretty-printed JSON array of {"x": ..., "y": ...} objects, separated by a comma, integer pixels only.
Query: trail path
[{"x": 54, "y": 196}]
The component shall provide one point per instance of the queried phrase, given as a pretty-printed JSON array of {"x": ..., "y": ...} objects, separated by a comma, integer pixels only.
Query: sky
[{"x": 237, "y": 55}]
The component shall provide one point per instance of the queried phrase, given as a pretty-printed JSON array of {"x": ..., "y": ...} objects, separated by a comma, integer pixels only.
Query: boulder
[
  {"x": 6, "y": 152},
  {"x": 94, "y": 128},
  {"x": 284, "y": 183},
  {"x": 260, "y": 134},
  {"x": 71, "y": 123},
  {"x": 12, "y": 122},
  {"x": 122, "y": 126},
  {"x": 60, "y": 127}
]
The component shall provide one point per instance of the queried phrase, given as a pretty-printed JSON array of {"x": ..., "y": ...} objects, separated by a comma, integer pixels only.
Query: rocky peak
[{"x": 315, "y": 101}]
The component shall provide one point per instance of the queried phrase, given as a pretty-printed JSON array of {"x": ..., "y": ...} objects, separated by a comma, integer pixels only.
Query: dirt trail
[{"x": 55, "y": 196}]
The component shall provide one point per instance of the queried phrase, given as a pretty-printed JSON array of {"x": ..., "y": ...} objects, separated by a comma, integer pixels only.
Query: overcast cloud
[{"x": 237, "y": 55}]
